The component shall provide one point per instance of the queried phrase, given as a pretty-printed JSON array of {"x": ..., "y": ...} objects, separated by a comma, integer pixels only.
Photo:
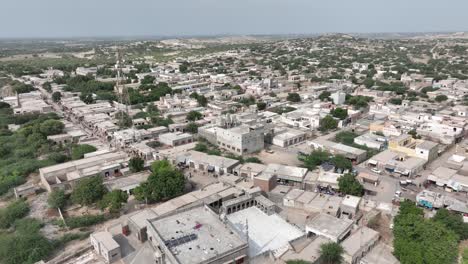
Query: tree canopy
[
  {"x": 136, "y": 164},
  {"x": 328, "y": 123},
  {"x": 339, "y": 113},
  {"x": 331, "y": 253},
  {"x": 78, "y": 151},
  {"x": 194, "y": 116},
  {"x": 88, "y": 191},
  {"x": 293, "y": 97},
  {"x": 349, "y": 185}
]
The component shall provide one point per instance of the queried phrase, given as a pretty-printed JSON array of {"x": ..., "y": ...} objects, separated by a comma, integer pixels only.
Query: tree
[
  {"x": 88, "y": 191},
  {"x": 261, "y": 106},
  {"x": 124, "y": 120},
  {"x": 341, "y": 162},
  {"x": 315, "y": 158},
  {"x": 420, "y": 240},
  {"x": 15, "y": 210},
  {"x": 368, "y": 82},
  {"x": 47, "y": 86},
  {"x": 340, "y": 113},
  {"x": 440, "y": 98},
  {"x": 328, "y": 123},
  {"x": 331, "y": 253},
  {"x": 253, "y": 160},
  {"x": 324, "y": 96},
  {"x": 57, "y": 199},
  {"x": 4, "y": 105},
  {"x": 194, "y": 116},
  {"x": 395, "y": 101},
  {"x": 87, "y": 98},
  {"x": 136, "y": 164},
  {"x": 164, "y": 183},
  {"x": 293, "y": 97},
  {"x": 56, "y": 96},
  {"x": 114, "y": 200},
  {"x": 148, "y": 79},
  {"x": 349, "y": 185},
  {"x": 452, "y": 221},
  {"x": 51, "y": 127},
  {"x": 192, "y": 128},
  {"x": 345, "y": 137},
  {"x": 78, "y": 151},
  {"x": 201, "y": 147}
]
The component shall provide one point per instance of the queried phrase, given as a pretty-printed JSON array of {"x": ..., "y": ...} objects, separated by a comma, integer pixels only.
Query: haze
[{"x": 93, "y": 18}]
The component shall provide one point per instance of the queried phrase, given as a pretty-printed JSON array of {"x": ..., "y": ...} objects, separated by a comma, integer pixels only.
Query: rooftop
[
  {"x": 329, "y": 225},
  {"x": 260, "y": 226},
  {"x": 196, "y": 235}
]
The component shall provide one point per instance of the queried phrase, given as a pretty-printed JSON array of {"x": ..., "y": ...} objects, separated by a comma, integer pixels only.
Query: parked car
[{"x": 375, "y": 170}]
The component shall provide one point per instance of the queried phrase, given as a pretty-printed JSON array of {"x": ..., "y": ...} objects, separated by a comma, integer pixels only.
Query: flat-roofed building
[
  {"x": 195, "y": 235},
  {"x": 175, "y": 139},
  {"x": 106, "y": 246},
  {"x": 329, "y": 226},
  {"x": 358, "y": 244}
]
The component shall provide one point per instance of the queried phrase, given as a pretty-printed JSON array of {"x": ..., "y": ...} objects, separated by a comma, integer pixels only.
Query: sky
[{"x": 112, "y": 18}]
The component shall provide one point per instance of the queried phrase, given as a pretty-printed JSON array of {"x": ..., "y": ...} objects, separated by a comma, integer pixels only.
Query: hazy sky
[{"x": 82, "y": 18}]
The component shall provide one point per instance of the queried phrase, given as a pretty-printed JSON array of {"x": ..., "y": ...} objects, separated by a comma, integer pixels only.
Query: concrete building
[
  {"x": 195, "y": 235},
  {"x": 65, "y": 175},
  {"x": 358, "y": 244},
  {"x": 257, "y": 226},
  {"x": 371, "y": 141},
  {"x": 289, "y": 137},
  {"x": 423, "y": 149},
  {"x": 105, "y": 245},
  {"x": 396, "y": 162},
  {"x": 205, "y": 162},
  {"x": 354, "y": 154},
  {"x": 338, "y": 97},
  {"x": 175, "y": 139},
  {"x": 350, "y": 206},
  {"x": 288, "y": 175},
  {"x": 329, "y": 226},
  {"x": 242, "y": 139}
]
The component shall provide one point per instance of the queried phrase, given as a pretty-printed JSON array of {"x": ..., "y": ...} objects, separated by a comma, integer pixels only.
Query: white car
[
  {"x": 375, "y": 170},
  {"x": 398, "y": 193}
]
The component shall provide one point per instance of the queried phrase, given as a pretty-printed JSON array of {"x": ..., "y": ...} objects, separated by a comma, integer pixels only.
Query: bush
[
  {"x": 14, "y": 211},
  {"x": 88, "y": 191},
  {"x": 83, "y": 221},
  {"x": 78, "y": 151},
  {"x": 57, "y": 199}
]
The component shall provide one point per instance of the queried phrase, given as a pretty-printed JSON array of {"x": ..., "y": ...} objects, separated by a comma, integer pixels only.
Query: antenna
[{"x": 120, "y": 89}]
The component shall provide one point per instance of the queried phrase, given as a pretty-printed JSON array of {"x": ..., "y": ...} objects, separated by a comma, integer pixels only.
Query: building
[
  {"x": 350, "y": 206},
  {"x": 397, "y": 162},
  {"x": 338, "y": 97},
  {"x": 258, "y": 226},
  {"x": 242, "y": 139},
  {"x": 371, "y": 141},
  {"x": 175, "y": 139},
  {"x": 423, "y": 149},
  {"x": 358, "y": 244},
  {"x": 204, "y": 162},
  {"x": 105, "y": 245},
  {"x": 288, "y": 138},
  {"x": 329, "y": 226},
  {"x": 65, "y": 175},
  {"x": 288, "y": 175},
  {"x": 195, "y": 235},
  {"x": 354, "y": 154}
]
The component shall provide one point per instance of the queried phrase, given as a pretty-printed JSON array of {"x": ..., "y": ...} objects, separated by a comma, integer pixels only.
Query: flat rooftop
[
  {"x": 206, "y": 236},
  {"x": 329, "y": 225},
  {"x": 266, "y": 232}
]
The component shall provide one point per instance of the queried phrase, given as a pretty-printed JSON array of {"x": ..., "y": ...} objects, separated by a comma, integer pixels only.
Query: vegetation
[
  {"x": 14, "y": 211},
  {"x": 164, "y": 183},
  {"x": 441, "y": 98},
  {"x": 192, "y": 128},
  {"x": 78, "y": 151},
  {"x": 194, "y": 116},
  {"x": 331, "y": 253},
  {"x": 293, "y": 97},
  {"x": 339, "y": 113},
  {"x": 88, "y": 191},
  {"x": 324, "y": 96},
  {"x": 261, "y": 106},
  {"x": 83, "y": 221},
  {"x": 349, "y": 185},
  {"x": 420, "y": 240},
  {"x": 136, "y": 164},
  {"x": 315, "y": 158},
  {"x": 57, "y": 199},
  {"x": 56, "y": 96},
  {"x": 328, "y": 123},
  {"x": 114, "y": 200}
]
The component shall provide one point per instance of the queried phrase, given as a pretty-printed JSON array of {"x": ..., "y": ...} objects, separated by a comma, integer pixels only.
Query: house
[
  {"x": 176, "y": 139},
  {"x": 329, "y": 226},
  {"x": 372, "y": 141},
  {"x": 205, "y": 162},
  {"x": 289, "y": 137},
  {"x": 358, "y": 244},
  {"x": 105, "y": 245}
]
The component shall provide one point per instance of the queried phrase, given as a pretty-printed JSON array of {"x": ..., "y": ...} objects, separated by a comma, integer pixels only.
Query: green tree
[
  {"x": 114, "y": 200},
  {"x": 202, "y": 101},
  {"x": 148, "y": 79},
  {"x": 368, "y": 82},
  {"x": 136, "y": 164},
  {"x": 124, "y": 120},
  {"x": 315, "y": 158},
  {"x": 324, "y": 96},
  {"x": 341, "y": 162},
  {"x": 331, "y": 253},
  {"x": 440, "y": 98},
  {"x": 51, "y": 127},
  {"x": 420, "y": 240},
  {"x": 261, "y": 106},
  {"x": 395, "y": 101},
  {"x": 349, "y": 185},
  {"x": 87, "y": 98},
  {"x": 192, "y": 128},
  {"x": 194, "y": 116},
  {"x": 78, "y": 151},
  {"x": 57, "y": 199},
  {"x": 328, "y": 123},
  {"x": 88, "y": 191},
  {"x": 293, "y": 97},
  {"x": 47, "y": 86},
  {"x": 164, "y": 183},
  {"x": 201, "y": 147},
  {"x": 340, "y": 113},
  {"x": 253, "y": 160},
  {"x": 14, "y": 210},
  {"x": 452, "y": 221},
  {"x": 56, "y": 96}
]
